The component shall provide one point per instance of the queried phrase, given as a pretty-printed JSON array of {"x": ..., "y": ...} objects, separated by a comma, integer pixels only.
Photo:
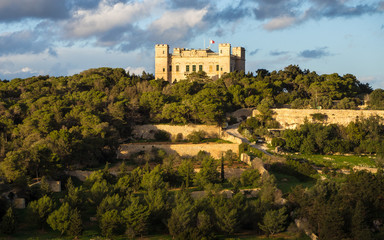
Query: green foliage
[
  {"x": 319, "y": 117},
  {"x": 183, "y": 215},
  {"x": 250, "y": 177},
  {"x": 162, "y": 136},
  {"x": 274, "y": 221},
  {"x": 208, "y": 172},
  {"x": 76, "y": 224},
  {"x": 376, "y": 99},
  {"x": 277, "y": 141},
  {"x": 74, "y": 195},
  {"x": 42, "y": 208},
  {"x": 60, "y": 219},
  {"x": 111, "y": 223},
  {"x": 114, "y": 202},
  {"x": 196, "y": 136},
  {"x": 51, "y": 123},
  {"x": 153, "y": 180},
  {"x": 8, "y": 222},
  {"x": 186, "y": 171},
  {"x": 136, "y": 216}
]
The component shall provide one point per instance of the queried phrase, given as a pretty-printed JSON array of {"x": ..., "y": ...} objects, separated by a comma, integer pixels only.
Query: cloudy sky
[{"x": 64, "y": 37}]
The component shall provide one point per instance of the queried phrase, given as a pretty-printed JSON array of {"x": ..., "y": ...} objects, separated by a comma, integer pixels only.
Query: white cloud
[
  {"x": 26, "y": 69},
  {"x": 137, "y": 70},
  {"x": 179, "y": 19},
  {"x": 108, "y": 16},
  {"x": 279, "y": 23}
]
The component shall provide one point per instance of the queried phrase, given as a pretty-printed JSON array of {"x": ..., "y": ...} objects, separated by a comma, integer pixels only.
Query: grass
[
  {"x": 286, "y": 182},
  {"x": 339, "y": 161}
]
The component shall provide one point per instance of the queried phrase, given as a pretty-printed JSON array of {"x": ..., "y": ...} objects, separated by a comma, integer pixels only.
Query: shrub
[
  {"x": 196, "y": 136},
  {"x": 276, "y": 141},
  {"x": 161, "y": 135},
  {"x": 319, "y": 117}
]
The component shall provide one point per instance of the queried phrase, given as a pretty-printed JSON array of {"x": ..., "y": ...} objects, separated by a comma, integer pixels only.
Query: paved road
[{"x": 232, "y": 130}]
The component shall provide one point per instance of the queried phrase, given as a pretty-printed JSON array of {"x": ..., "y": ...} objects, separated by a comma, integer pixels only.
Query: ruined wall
[
  {"x": 183, "y": 149},
  {"x": 292, "y": 118},
  {"x": 147, "y": 131}
]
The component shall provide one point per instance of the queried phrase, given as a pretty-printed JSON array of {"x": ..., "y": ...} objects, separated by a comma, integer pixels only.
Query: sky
[{"x": 65, "y": 37}]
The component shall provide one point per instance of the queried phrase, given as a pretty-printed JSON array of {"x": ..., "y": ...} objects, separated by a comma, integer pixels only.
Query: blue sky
[{"x": 64, "y": 37}]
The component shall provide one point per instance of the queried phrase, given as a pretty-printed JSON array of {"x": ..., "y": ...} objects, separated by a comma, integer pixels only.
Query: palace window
[
  {"x": 177, "y": 68},
  {"x": 187, "y": 68},
  {"x": 217, "y": 67},
  {"x": 163, "y": 69},
  {"x": 194, "y": 68},
  {"x": 200, "y": 67}
]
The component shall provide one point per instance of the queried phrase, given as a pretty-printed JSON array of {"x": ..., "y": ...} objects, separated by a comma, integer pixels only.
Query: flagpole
[{"x": 204, "y": 43}]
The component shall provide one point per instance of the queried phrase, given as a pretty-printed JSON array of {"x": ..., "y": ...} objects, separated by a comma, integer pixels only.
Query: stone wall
[
  {"x": 292, "y": 118},
  {"x": 147, "y": 131},
  {"x": 183, "y": 149}
]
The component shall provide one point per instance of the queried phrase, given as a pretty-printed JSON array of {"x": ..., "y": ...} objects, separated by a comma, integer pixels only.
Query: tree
[
  {"x": 111, "y": 223},
  {"x": 113, "y": 202},
  {"x": 158, "y": 205},
  {"x": 74, "y": 195},
  {"x": 250, "y": 177},
  {"x": 186, "y": 171},
  {"x": 208, "y": 172},
  {"x": 360, "y": 228},
  {"x": 274, "y": 221},
  {"x": 42, "y": 208},
  {"x": 60, "y": 219},
  {"x": 153, "y": 180},
  {"x": 183, "y": 215},
  {"x": 99, "y": 190},
  {"x": 136, "y": 217},
  {"x": 268, "y": 189},
  {"x": 76, "y": 224},
  {"x": 8, "y": 222}
]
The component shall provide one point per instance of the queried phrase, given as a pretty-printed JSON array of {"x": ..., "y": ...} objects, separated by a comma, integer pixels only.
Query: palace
[{"x": 176, "y": 66}]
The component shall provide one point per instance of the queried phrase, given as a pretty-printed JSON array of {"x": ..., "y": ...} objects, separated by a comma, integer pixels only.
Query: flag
[{"x": 211, "y": 42}]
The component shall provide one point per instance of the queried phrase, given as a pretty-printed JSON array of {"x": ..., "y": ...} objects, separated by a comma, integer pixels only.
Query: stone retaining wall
[
  {"x": 292, "y": 118},
  {"x": 147, "y": 131},
  {"x": 183, "y": 149}
]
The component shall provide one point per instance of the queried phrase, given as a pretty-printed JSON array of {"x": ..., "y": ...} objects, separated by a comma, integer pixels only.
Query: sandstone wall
[
  {"x": 183, "y": 149},
  {"x": 292, "y": 118},
  {"x": 147, "y": 131}
]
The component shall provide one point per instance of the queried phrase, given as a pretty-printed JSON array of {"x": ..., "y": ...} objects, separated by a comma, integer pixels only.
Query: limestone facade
[{"x": 177, "y": 65}]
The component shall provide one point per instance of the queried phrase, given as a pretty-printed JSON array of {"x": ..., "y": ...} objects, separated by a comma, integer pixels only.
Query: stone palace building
[{"x": 177, "y": 65}]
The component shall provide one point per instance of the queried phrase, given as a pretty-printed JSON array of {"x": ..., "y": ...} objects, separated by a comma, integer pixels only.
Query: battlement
[
  {"x": 161, "y": 45},
  {"x": 224, "y": 44}
]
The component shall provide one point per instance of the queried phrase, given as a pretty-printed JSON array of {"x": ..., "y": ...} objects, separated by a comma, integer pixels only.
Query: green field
[
  {"x": 339, "y": 161},
  {"x": 285, "y": 182}
]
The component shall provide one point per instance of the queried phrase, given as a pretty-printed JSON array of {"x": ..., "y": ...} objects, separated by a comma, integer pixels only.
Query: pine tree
[
  {"x": 136, "y": 217},
  {"x": 60, "y": 218},
  {"x": 274, "y": 221},
  {"x": 76, "y": 224},
  {"x": 182, "y": 220}
]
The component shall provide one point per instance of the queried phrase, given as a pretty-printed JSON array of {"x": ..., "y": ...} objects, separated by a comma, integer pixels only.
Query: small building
[{"x": 177, "y": 65}]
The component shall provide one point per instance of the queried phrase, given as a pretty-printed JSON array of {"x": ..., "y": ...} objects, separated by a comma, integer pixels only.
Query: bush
[
  {"x": 319, "y": 117},
  {"x": 161, "y": 135},
  {"x": 276, "y": 141},
  {"x": 196, "y": 136},
  {"x": 250, "y": 177}
]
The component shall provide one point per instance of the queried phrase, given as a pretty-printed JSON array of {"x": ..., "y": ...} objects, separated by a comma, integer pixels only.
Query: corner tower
[
  {"x": 239, "y": 53},
  {"x": 162, "y": 62}
]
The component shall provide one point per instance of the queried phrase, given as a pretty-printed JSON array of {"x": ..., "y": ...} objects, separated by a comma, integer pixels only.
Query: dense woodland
[{"x": 52, "y": 124}]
